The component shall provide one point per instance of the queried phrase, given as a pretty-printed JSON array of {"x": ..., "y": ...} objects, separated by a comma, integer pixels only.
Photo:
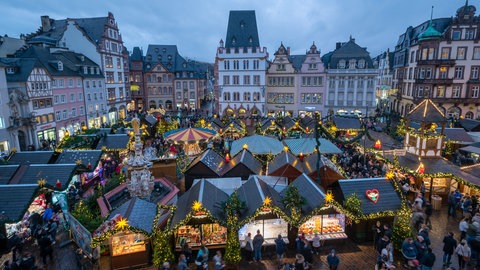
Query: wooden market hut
[
  {"x": 327, "y": 221},
  {"x": 379, "y": 202},
  {"x": 197, "y": 217},
  {"x": 349, "y": 126},
  {"x": 285, "y": 164},
  {"x": 329, "y": 172},
  {"x": 208, "y": 164},
  {"x": 129, "y": 246},
  {"x": 307, "y": 146},
  {"x": 270, "y": 127},
  {"x": 242, "y": 165},
  {"x": 261, "y": 216}
]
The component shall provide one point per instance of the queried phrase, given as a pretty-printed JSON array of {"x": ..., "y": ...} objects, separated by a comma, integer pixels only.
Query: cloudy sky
[{"x": 196, "y": 26}]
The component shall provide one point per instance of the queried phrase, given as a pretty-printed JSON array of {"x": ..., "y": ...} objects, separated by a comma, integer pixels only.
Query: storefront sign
[
  {"x": 46, "y": 126},
  {"x": 373, "y": 195}
]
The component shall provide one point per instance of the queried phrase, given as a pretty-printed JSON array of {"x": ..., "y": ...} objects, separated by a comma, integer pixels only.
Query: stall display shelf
[{"x": 127, "y": 244}]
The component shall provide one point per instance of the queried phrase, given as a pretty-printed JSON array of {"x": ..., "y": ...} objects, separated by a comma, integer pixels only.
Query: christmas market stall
[
  {"x": 270, "y": 127},
  {"x": 347, "y": 126},
  {"x": 198, "y": 216},
  {"x": 125, "y": 236},
  {"x": 318, "y": 214},
  {"x": 329, "y": 172},
  {"x": 285, "y": 164},
  {"x": 242, "y": 165},
  {"x": 369, "y": 200},
  {"x": 308, "y": 146},
  {"x": 257, "y": 145},
  {"x": 263, "y": 211},
  {"x": 208, "y": 164},
  {"x": 234, "y": 130}
]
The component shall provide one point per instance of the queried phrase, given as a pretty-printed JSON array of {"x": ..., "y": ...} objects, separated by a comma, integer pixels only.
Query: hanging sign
[{"x": 373, "y": 195}]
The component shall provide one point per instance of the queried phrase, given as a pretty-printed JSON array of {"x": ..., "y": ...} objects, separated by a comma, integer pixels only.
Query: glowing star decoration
[
  {"x": 122, "y": 224},
  {"x": 78, "y": 162},
  {"x": 390, "y": 175},
  {"x": 421, "y": 168},
  {"x": 41, "y": 182},
  {"x": 373, "y": 195},
  {"x": 267, "y": 201},
  {"x": 329, "y": 197},
  {"x": 196, "y": 206}
]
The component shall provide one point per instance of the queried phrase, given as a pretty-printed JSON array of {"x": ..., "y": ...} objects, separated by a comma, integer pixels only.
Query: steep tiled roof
[
  {"x": 114, "y": 141},
  {"x": 242, "y": 29},
  {"x": 253, "y": 192},
  {"x": 348, "y": 50},
  {"x": 23, "y": 68},
  {"x": 282, "y": 159},
  {"x": 31, "y": 157},
  {"x": 76, "y": 62},
  {"x": 14, "y": 200},
  {"x": 139, "y": 213},
  {"x": 48, "y": 61},
  {"x": 297, "y": 60},
  {"x": 313, "y": 194},
  {"x": 389, "y": 199},
  {"x": 246, "y": 158}
]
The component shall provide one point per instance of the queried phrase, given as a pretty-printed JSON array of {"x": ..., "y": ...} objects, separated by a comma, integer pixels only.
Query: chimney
[
  {"x": 288, "y": 50},
  {"x": 45, "y": 23},
  {"x": 339, "y": 44}
]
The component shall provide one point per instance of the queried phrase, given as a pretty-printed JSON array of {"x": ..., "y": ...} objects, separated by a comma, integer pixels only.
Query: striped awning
[{"x": 189, "y": 134}]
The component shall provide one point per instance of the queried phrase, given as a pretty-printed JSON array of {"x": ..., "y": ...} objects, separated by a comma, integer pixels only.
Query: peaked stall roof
[
  {"x": 139, "y": 213},
  {"x": 388, "y": 199},
  {"x": 14, "y": 200},
  {"x": 114, "y": 141},
  {"x": 253, "y": 192},
  {"x": 91, "y": 157},
  {"x": 50, "y": 172},
  {"x": 31, "y": 157},
  {"x": 308, "y": 146},
  {"x": 207, "y": 194},
  {"x": 314, "y": 195},
  {"x": 210, "y": 159},
  {"x": 246, "y": 158},
  {"x": 426, "y": 111},
  {"x": 257, "y": 144},
  {"x": 282, "y": 159}
]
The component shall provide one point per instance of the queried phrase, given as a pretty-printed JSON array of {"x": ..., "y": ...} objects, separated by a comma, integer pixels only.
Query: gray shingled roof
[
  {"x": 313, "y": 194},
  {"x": 6, "y": 173},
  {"x": 348, "y": 50},
  {"x": 253, "y": 192},
  {"x": 114, "y": 141},
  {"x": 470, "y": 124},
  {"x": 246, "y": 158},
  {"x": 282, "y": 159},
  {"x": 48, "y": 61},
  {"x": 74, "y": 62},
  {"x": 242, "y": 29},
  {"x": 456, "y": 134},
  {"x": 347, "y": 122},
  {"x": 137, "y": 54},
  {"x": 86, "y": 156},
  {"x": 426, "y": 111},
  {"x": 23, "y": 68},
  {"x": 308, "y": 146},
  {"x": 389, "y": 199},
  {"x": 205, "y": 192},
  {"x": 31, "y": 157},
  {"x": 14, "y": 199},
  {"x": 257, "y": 144},
  {"x": 297, "y": 60},
  {"x": 210, "y": 159},
  {"x": 139, "y": 213},
  {"x": 49, "y": 172}
]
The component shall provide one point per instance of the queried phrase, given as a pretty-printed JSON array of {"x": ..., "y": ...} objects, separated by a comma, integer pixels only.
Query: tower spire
[{"x": 431, "y": 15}]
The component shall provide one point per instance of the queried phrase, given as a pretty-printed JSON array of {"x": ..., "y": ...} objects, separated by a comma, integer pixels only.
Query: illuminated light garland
[{"x": 78, "y": 162}]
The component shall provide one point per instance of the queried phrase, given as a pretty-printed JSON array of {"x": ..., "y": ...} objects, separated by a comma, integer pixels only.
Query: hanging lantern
[
  {"x": 378, "y": 144},
  {"x": 227, "y": 158},
  {"x": 301, "y": 157},
  {"x": 221, "y": 131},
  {"x": 306, "y": 129}
]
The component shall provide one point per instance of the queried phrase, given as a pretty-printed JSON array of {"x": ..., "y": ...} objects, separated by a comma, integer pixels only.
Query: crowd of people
[{"x": 358, "y": 165}]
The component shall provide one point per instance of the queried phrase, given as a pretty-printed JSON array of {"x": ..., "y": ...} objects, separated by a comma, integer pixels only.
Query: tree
[
  {"x": 401, "y": 226},
  {"x": 232, "y": 208}
]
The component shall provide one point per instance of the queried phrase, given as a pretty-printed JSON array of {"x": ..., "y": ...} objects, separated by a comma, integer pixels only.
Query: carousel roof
[
  {"x": 114, "y": 141},
  {"x": 257, "y": 144},
  {"x": 139, "y": 213},
  {"x": 314, "y": 195},
  {"x": 189, "y": 134},
  {"x": 388, "y": 199},
  {"x": 308, "y": 146},
  {"x": 282, "y": 159},
  {"x": 253, "y": 192},
  {"x": 207, "y": 194}
]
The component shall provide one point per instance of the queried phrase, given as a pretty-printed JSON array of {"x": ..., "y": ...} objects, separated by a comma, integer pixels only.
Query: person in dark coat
[
  {"x": 280, "y": 248},
  {"x": 307, "y": 251},
  {"x": 382, "y": 243},
  {"x": 333, "y": 260},
  {"x": 257, "y": 246},
  {"x": 449, "y": 245},
  {"x": 46, "y": 248},
  {"x": 27, "y": 262},
  {"x": 428, "y": 260}
]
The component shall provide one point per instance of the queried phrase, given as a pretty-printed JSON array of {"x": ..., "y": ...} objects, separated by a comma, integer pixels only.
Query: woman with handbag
[{"x": 464, "y": 252}]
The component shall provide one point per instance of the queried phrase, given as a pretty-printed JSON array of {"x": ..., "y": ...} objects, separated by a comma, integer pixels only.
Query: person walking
[
  {"x": 316, "y": 243},
  {"x": 202, "y": 258},
  {"x": 463, "y": 251},
  {"x": 333, "y": 260},
  {"x": 182, "y": 262},
  {"x": 46, "y": 248},
  {"x": 307, "y": 252},
  {"x": 280, "y": 248},
  {"x": 257, "y": 246},
  {"x": 451, "y": 204},
  {"x": 218, "y": 261},
  {"x": 463, "y": 227},
  {"x": 409, "y": 250},
  {"x": 248, "y": 247},
  {"x": 428, "y": 260},
  {"x": 449, "y": 244}
]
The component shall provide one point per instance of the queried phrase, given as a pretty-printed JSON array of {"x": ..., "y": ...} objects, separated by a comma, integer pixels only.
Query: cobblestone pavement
[{"x": 352, "y": 255}]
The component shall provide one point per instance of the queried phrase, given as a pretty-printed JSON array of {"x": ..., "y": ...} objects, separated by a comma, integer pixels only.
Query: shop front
[
  {"x": 328, "y": 227},
  {"x": 128, "y": 250},
  {"x": 46, "y": 135},
  {"x": 270, "y": 227},
  {"x": 212, "y": 235}
]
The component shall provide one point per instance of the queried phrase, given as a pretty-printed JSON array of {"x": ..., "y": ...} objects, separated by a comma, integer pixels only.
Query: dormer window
[
  {"x": 149, "y": 57},
  {"x": 169, "y": 57},
  {"x": 242, "y": 24},
  {"x": 10, "y": 70},
  {"x": 184, "y": 65},
  {"x": 341, "y": 64},
  {"x": 361, "y": 63},
  {"x": 234, "y": 40},
  {"x": 351, "y": 63},
  {"x": 97, "y": 70},
  {"x": 85, "y": 70},
  {"x": 60, "y": 66},
  {"x": 159, "y": 57},
  {"x": 164, "y": 49},
  {"x": 250, "y": 40},
  {"x": 156, "y": 50}
]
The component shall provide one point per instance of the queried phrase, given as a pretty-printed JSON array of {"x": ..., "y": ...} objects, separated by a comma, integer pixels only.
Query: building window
[
  {"x": 476, "y": 53},
  {"x": 226, "y": 80},
  {"x": 64, "y": 114},
  {"x": 443, "y": 72},
  {"x": 474, "y": 73},
  {"x": 312, "y": 66},
  {"x": 236, "y": 64},
  {"x": 82, "y": 110},
  {"x": 256, "y": 64},
  {"x": 236, "y": 80},
  {"x": 226, "y": 65},
  {"x": 110, "y": 78},
  {"x": 120, "y": 77},
  {"x": 70, "y": 83},
  {"x": 280, "y": 98},
  {"x": 236, "y": 96},
  {"x": 72, "y": 97},
  {"x": 108, "y": 62},
  {"x": 311, "y": 98},
  {"x": 58, "y": 115},
  {"x": 475, "y": 90},
  {"x": 246, "y": 79},
  {"x": 119, "y": 63},
  {"x": 74, "y": 112},
  {"x": 445, "y": 54},
  {"x": 111, "y": 93},
  {"x": 246, "y": 64},
  {"x": 469, "y": 34},
  {"x": 341, "y": 64},
  {"x": 312, "y": 81},
  {"x": 456, "y": 34},
  {"x": 226, "y": 96},
  {"x": 361, "y": 63},
  {"x": 56, "y": 99},
  {"x": 280, "y": 67},
  {"x": 461, "y": 53},
  {"x": 192, "y": 85},
  {"x": 63, "y": 98},
  {"x": 458, "y": 72},
  {"x": 80, "y": 96},
  {"x": 441, "y": 91},
  {"x": 256, "y": 79},
  {"x": 456, "y": 91}
]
